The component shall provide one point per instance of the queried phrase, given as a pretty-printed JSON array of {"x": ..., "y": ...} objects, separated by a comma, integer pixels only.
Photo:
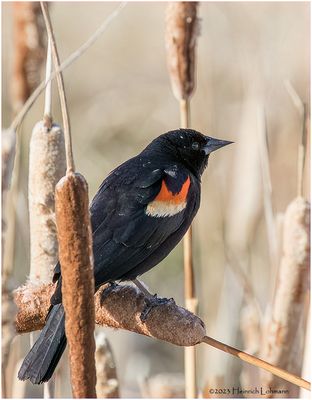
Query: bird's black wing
[
  {"x": 124, "y": 235},
  {"x": 127, "y": 241}
]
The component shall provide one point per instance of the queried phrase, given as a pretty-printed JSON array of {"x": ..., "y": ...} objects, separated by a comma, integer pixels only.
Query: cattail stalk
[
  {"x": 75, "y": 248},
  {"x": 61, "y": 90},
  {"x": 107, "y": 386},
  {"x": 76, "y": 257},
  {"x": 121, "y": 308},
  {"x": 28, "y": 45},
  {"x": 284, "y": 333},
  {"x": 47, "y": 165},
  {"x": 285, "y": 329},
  {"x": 181, "y": 32}
]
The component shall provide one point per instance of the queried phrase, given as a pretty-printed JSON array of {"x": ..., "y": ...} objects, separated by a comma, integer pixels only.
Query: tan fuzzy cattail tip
[
  {"x": 168, "y": 322},
  {"x": 29, "y": 45},
  {"x": 46, "y": 167},
  {"x": 120, "y": 308},
  {"x": 106, "y": 376},
  {"x": 75, "y": 249},
  {"x": 182, "y": 28},
  {"x": 282, "y": 345}
]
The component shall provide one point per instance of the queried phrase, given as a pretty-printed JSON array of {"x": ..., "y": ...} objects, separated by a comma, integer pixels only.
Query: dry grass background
[{"x": 120, "y": 98}]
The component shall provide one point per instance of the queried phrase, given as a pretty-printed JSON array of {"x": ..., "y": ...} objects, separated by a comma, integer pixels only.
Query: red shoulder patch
[{"x": 166, "y": 195}]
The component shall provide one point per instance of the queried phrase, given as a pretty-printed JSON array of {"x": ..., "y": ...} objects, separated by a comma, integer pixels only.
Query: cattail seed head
[
  {"x": 76, "y": 257},
  {"x": 46, "y": 167},
  {"x": 182, "y": 28}
]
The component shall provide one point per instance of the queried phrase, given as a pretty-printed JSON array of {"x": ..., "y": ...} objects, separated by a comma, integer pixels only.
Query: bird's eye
[{"x": 195, "y": 146}]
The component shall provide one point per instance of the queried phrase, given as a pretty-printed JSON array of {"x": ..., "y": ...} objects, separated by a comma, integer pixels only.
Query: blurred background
[{"x": 251, "y": 58}]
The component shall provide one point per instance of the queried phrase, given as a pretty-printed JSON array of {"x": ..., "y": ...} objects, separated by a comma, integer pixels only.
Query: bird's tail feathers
[{"x": 43, "y": 357}]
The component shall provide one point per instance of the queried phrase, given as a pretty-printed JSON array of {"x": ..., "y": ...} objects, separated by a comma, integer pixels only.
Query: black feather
[{"x": 40, "y": 363}]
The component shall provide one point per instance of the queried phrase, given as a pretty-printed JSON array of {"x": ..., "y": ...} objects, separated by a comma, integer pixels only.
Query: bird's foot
[
  {"x": 151, "y": 302},
  {"x": 107, "y": 291}
]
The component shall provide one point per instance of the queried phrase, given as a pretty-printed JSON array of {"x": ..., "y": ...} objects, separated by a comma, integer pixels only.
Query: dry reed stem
[
  {"x": 191, "y": 301},
  {"x": 47, "y": 113},
  {"x": 244, "y": 211},
  {"x": 46, "y": 167},
  {"x": 296, "y": 380},
  {"x": 302, "y": 152},
  {"x": 76, "y": 258},
  {"x": 8, "y": 142},
  {"x": 121, "y": 309},
  {"x": 61, "y": 90},
  {"x": 8, "y": 218},
  {"x": 180, "y": 38},
  {"x": 267, "y": 187},
  {"x": 250, "y": 326},
  {"x": 283, "y": 340},
  {"x": 29, "y": 49},
  {"x": 7, "y": 325},
  {"x": 106, "y": 376},
  {"x": 8, "y": 138},
  {"x": 69, "y": 60},
  {"x": 28, "y": 43},
  {"x": 302, "y": 148}
]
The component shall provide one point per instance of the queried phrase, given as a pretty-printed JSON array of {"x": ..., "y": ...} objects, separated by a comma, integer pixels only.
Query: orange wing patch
[
  {"x": 166, "y": 195},
  {"x": 167, "y": 203}
]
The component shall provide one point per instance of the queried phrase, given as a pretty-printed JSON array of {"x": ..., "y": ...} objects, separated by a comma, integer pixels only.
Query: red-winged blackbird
[{"x": 139, "y": 214}]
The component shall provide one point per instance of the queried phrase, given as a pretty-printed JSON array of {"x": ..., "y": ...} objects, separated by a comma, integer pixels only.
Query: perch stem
[{"x": 257, "y": 362}]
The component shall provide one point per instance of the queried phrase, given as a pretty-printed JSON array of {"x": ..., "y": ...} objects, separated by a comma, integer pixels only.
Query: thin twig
[
  {"x": 73, "y": 57},
  {"x": 61, "y": 89},
  {"x": 302, "y": 109},
  {"x": 257, "y": 362},
  {"x": 302, "y": 152}
]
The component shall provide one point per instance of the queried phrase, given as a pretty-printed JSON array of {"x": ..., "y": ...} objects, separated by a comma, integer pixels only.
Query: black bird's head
[{"x": 188, "y": 147}]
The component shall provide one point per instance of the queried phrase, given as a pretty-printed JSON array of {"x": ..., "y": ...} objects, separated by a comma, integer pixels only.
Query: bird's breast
[{"x": 169, "y": 201}]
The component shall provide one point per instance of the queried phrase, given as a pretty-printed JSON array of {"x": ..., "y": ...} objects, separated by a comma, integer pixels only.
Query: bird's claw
[
  {"x": 154, "y": 301},
  {"x": 107, "y": 291}
]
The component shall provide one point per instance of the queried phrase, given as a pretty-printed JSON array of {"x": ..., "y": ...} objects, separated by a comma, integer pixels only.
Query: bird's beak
[{"x": 214, "y": 144}]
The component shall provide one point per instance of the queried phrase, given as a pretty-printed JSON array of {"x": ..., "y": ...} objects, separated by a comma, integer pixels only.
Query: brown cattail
[
  {"x": 47, "y": 164},
  {"x": 75, "y": 249},
  {"x": 120, "y": 309},
  {"x": 182, "y": 28},
  {"x": 283, "y": 341},
  {"x": 106, "y": 375},
  {"x": 29, "y": 48}
]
